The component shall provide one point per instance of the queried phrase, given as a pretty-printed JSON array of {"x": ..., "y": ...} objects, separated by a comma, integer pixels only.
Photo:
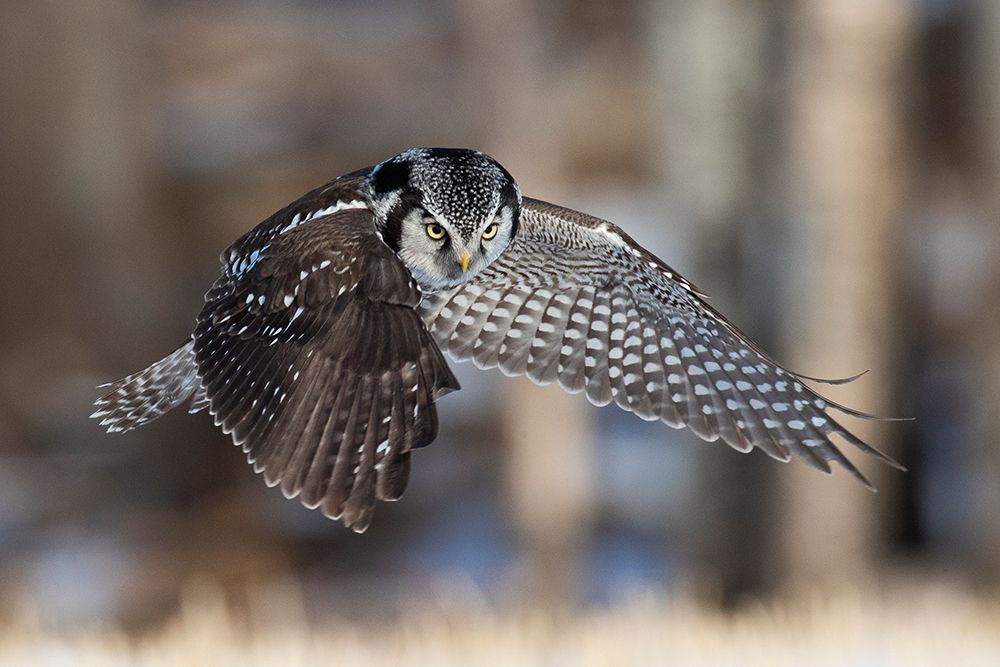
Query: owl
[{"x": 320, "y": 348}]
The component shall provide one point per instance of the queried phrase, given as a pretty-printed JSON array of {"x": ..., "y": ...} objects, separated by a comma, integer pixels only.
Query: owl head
[{"x": 447, "y": 212}]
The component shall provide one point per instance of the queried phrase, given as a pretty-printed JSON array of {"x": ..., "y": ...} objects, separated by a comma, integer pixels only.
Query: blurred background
[{"x": 828, "y": 171}]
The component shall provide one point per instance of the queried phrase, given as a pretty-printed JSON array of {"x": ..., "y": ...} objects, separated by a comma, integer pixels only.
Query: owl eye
[
  {"x": 491, "y": 231},
  {"x": 436, "y": 231}
]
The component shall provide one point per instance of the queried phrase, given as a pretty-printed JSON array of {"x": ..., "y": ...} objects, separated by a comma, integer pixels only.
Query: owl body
[{"x": 319, "y": 348}]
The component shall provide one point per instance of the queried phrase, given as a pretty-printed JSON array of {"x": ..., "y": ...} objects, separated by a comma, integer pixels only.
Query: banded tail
[{"x": 140, "y": 398}]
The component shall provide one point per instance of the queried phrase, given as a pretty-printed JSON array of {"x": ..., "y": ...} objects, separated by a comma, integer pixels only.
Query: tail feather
[{"x": 142, "y": 397}]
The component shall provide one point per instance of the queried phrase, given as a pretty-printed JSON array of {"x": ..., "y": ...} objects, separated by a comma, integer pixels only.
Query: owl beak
[{"x": 463, "y": 260}]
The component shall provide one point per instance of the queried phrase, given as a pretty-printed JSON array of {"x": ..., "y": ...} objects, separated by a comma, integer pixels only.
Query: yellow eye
[
  {"x": 491, "y": 231},
  {"x": 436, "y": 231}
]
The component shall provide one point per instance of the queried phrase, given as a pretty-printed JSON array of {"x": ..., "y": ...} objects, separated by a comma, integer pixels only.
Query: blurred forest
[{"x": 828, "y": 171}]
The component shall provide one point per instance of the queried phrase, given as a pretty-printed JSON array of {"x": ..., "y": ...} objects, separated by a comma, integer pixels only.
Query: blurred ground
[
  {"x": 828, "y": 171},
  {"x": 872, "y": 627}
]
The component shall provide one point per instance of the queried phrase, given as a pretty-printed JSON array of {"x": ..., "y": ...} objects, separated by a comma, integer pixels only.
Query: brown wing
[
  {"x": 312, "y": 356},
  {"x": 574, "y": 300}
]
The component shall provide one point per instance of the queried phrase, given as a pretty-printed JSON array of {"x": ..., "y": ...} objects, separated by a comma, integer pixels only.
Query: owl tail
[{"x": 142, "y": 397}]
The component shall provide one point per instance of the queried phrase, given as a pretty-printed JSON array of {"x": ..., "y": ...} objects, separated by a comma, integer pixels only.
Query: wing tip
[
  {"x": 839, "y": 407},
  {"x": 832, "y": 381}
]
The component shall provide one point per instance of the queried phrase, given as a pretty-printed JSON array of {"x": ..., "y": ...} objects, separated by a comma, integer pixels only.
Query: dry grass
[{"x": 927, "y": 627}]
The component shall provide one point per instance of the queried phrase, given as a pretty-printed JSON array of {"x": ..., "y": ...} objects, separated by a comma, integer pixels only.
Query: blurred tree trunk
[
  {"x": 75, "y": 139},
  {"x": 548, "y": 457},
  {"x": 709, "y": 68},
  {"x": 985, "y": 103},
  {"x": 848, "y": 167},
  {"x": 73, "y": 188},
  {"x": 77, "y": 269}
]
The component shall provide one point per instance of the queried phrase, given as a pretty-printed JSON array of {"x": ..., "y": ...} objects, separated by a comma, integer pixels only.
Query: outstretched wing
[
  {"x": 575, "y": 300},
  {"x": 313, "y": 357}
]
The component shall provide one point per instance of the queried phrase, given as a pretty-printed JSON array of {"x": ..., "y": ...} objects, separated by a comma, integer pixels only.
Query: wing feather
[
  {"x": 486, "y": 350},
  {"x": 515, "y": 351},
  {"x": 575, "y": 300},
  {"x": 313, "y": 357},
  {"x": 573, "y": 351},
  {"x": 543, "y": 351},
  {"x": 139, "y": 398}
]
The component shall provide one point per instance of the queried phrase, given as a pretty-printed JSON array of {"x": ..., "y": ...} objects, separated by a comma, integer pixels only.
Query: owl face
[{"x": 448, "y": 213}]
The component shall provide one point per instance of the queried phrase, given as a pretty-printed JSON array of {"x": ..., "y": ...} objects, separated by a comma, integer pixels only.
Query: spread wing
[
  {"x": 574, "y": 300},
  {"x": 312, "y": 355}
]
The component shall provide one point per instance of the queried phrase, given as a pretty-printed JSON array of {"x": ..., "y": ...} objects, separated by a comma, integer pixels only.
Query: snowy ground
[{"x": 931, "y": 626}]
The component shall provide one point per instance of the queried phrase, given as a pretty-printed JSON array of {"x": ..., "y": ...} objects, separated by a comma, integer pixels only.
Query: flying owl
[{"x": 319, "y": 348}]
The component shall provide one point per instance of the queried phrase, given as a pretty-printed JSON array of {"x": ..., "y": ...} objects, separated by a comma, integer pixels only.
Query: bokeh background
[{"x": 828, "y": 171}]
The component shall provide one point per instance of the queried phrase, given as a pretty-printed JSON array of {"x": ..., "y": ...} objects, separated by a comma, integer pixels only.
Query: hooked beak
[{"x": 463, "y": 261}]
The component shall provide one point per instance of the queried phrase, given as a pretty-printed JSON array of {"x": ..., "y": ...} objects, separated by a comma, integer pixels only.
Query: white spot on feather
[{"x": 300, "y": 218}]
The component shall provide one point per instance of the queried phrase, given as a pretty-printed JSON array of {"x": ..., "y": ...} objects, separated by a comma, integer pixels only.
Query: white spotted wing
[{"x": 574, "y": 300}]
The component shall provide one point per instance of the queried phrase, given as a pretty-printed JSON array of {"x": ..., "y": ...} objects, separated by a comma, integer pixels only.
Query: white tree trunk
[{"x": 847, "y": 169}]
